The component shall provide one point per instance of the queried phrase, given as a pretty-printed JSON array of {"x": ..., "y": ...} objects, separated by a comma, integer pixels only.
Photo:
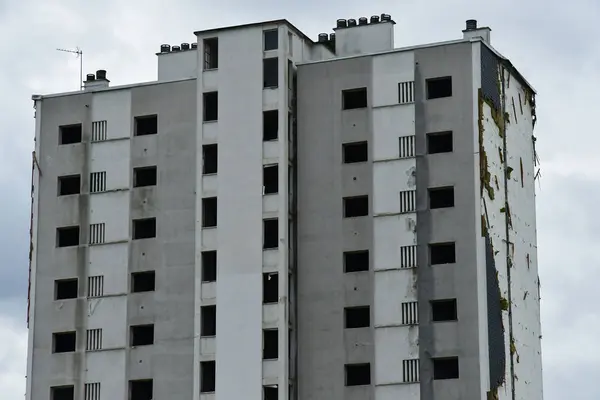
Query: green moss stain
[
  {"x": 501, "y": 155},
  {"x": 503, "y": 304},
  {"x": 507, "y": 118},
  {"x": 484, "y": 229},
  {"x": 496, "y": 182},
  {"x": 509, "y": 171},
  {"x": 484, "y": 172},
  {"x": 493, "y": 394}
]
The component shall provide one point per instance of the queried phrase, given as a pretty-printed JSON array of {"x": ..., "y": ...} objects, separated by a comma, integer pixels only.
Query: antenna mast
[{"x": 79, "y": 53}]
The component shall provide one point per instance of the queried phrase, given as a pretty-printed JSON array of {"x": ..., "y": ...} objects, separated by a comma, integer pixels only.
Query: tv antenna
[{"x": 79, "y": 53}]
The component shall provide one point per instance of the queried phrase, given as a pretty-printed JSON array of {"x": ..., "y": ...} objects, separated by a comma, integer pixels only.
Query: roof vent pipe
[
  {"x": 386, "y": 17},
  {"x": 323, "y": 37},
  {"x": 165, "y": 48},
  {"x": 332, "y": 37},
  {"x": 341, "y": 23},
  {"x": 194, "y": 46},
  {"x": 185, "y": 46},
  {"x": 351, "y": 22},
  {"x": 375, "y": 19},
  {"x": 471, "y": 24},
  {"x": 175, "y": 48},
  {"x": 101, "y": 74},
  {"x": 363, "y": 21},
  {"x": 90, "y": 77}
]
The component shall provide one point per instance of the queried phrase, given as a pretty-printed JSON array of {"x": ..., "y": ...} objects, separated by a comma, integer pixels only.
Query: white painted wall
[
  {"x": 364, "y": 39},
  {"x": 113, "y": 382},
  {"x": 496, "y": 222},
  {"x": 391, "y": 126},
  {"x": 484, "y": 363},
  {"x": 524, "y": 274},
  {"x": 177, "y": 65},
  {"x": 110, "y": 315},
  {"x": 114, "y": 107},
  {"x": 112, "y": 209},
  {"x": 240, "y": 209},
  {"x": 391, "y": 175},
  {"x": 110, "y": 261},
  {"x": 114, "y": 158},
  {"x": 388, "y": 71}
]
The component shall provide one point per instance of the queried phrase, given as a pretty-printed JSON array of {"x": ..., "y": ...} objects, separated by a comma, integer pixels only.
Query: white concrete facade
[{"x": 393, "y": 178}]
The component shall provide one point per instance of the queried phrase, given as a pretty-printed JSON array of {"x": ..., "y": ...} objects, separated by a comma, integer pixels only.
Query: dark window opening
[
  {"x": 355, "y": 152},
  {"x": 270, "y": 287},
  {"x": 144, "y": 228},
  {"x": 209, "y": 212},
  {"x": 143, "y": 281},
  {"x": 441, "y": 197},
  {"x": 270, "y": 344},
  {"x": 354, "y": 98},
  {"x": 442, "y": 253},
  {"x": 141, "y": 390},
  {"x": 439, "y": 87},
  {"x": 67, "y": 236},
  {"x": 207, "y": 376},
  {"x": 211, "y": 106},
  {"x": 142, "y": 335},
  {"x": 271, "y": 392},
  {"x": 271, "y": 39},
  {"x": 210, "y": 160},
  {"x": 69, "y": 185},
  {"x": 65, "y": 289},
  {"x": 439, "y": 142},
  {"x": 357, "y": 317},
  {"x": 145, "y": 176},
  {"x": 358, "y": 374},
  {"x": 146, "y": 125},
  {"x": 270, "y": 179},
  {"x": 445, "y": 368},
  {"x": 356, "y": 261},
  {"x": 69, "y": 134},
  {"x": 64, "y": 342},
  {"x": 208, "y": 318},
  {"x": 270, "y": 234},
  {"x": 270, "y": 72},
  {"x": 270, "y": 125},
  {"x": 209, "y": 266},
  {"x": 356, "y": 206},
  {"x": 211, "y": 53},
  {"x": 443, "y": 310},
  {"x": 62, "y": 393}
]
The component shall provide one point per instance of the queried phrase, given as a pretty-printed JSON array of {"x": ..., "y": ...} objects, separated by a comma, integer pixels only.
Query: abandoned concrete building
[{"x": 279, "y": 218}]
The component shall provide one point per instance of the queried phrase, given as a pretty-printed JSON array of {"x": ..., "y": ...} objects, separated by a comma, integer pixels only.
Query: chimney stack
[
  {"x": 97, "y": 81},
  {"x": 472, "y": 31}
]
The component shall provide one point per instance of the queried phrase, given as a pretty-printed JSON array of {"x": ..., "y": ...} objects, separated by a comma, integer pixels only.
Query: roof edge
[
  {"x": 253, "y": 24},
  {"x": 508, "y": 64},
  {"x": 37, "y": 97}
]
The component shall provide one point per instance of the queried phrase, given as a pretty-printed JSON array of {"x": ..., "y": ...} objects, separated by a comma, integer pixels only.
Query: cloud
[
  {"x": 13, "y": 337},
  {"x": 554, "y": 47}
]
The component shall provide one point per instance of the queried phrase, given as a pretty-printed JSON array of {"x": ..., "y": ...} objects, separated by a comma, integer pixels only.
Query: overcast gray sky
[{"x": 554, "y": 44}]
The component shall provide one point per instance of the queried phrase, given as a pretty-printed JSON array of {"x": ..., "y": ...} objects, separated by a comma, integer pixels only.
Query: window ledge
[
  {"x": 112, "y": 190},
  {"x": 213, "y": 121}
]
